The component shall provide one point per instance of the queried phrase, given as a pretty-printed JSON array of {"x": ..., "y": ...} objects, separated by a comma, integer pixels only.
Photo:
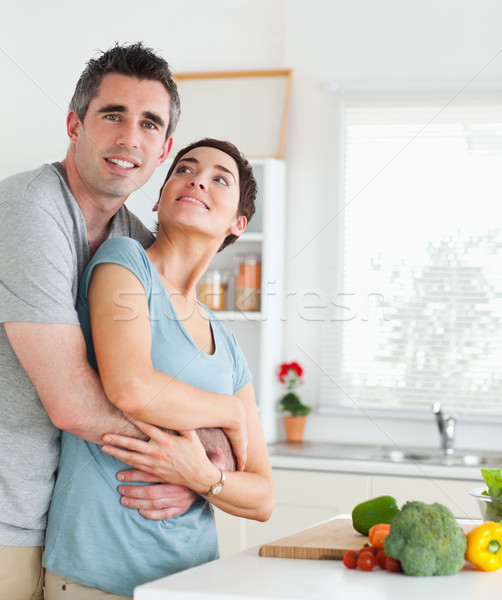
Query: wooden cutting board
[{"x": 328, "y": 540}]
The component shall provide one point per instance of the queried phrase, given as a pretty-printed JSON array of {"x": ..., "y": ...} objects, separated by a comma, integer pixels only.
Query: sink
[
  {"x": 393, "y": 454},
  {"x": 436, "y": 458}
]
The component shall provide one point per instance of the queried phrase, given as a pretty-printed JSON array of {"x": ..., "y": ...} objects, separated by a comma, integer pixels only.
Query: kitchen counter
[{"x": 247, "y": 576}]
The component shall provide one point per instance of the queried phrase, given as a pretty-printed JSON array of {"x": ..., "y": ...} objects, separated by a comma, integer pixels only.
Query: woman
[{"x": 163, "y": 359}]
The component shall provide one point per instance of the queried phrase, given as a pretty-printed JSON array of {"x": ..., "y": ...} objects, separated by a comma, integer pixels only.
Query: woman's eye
[
  {"x": 221, "y": 179},
  {"x": 182, "y": 169}
]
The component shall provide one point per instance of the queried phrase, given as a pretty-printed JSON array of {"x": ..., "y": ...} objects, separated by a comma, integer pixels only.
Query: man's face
[{"x": 122, "y": 138}]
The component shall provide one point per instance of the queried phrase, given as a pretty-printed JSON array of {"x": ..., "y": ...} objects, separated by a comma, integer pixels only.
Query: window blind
[{"x": 414, "y": 272}]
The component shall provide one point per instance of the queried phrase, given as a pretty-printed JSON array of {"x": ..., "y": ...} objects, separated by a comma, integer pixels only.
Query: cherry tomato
[
  {"x": 380, "y": 557},
  {"x": 392, "y": 564},
  {"x": 369, "y": 549},
  {"x": 366, "y": 561},
  {"x": 350, "y": 559}
]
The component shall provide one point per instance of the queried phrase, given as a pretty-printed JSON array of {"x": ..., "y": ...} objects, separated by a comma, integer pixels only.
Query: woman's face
[{"x": 202, "y": 194}]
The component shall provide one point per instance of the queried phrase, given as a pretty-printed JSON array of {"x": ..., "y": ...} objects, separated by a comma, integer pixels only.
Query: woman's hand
[{"x": 178, "y": 459}]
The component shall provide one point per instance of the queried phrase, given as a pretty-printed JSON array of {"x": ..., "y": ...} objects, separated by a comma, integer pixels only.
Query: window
[{"x": 415, "y": 270}]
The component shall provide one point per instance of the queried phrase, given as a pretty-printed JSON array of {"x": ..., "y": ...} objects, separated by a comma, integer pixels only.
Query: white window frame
[{"x": 342, "y": 94}]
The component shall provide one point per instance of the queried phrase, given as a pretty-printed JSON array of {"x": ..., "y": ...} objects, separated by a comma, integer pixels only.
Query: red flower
[
  {"x": 296, "y": 367},
  {"x": 283, "y": 372},
  {"x": 290, "y": 372}
]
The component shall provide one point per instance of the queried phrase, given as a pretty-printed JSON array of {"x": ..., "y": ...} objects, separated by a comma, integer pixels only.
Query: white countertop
[{"x": 247, "y": 576}]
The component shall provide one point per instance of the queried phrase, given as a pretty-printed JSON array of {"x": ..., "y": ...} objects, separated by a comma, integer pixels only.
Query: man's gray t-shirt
[{"x": 43, "y": 253}]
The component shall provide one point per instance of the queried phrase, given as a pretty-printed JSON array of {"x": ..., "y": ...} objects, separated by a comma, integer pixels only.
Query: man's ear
[
  {"x": 166, "y": 148},
  {"x": 240, "y": 226},
  {"x": 73, "y": 125}
]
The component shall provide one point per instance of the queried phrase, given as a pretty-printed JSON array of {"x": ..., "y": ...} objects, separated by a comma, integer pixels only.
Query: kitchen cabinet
[
  {"x": 260, "y": 332},
  {"x": 304, "y": 498}
]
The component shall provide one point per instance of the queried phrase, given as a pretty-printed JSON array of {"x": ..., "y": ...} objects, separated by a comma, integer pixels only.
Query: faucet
[{"x": 446, "y": 426}]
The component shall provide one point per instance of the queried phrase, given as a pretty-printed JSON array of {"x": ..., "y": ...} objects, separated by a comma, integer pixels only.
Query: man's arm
[
  {"x": 218, "y": 448},
  {"x": 55, "y": 359}
]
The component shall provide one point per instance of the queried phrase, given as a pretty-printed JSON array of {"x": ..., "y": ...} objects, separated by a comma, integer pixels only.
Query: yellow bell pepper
[{"x": 484, "y": 546}]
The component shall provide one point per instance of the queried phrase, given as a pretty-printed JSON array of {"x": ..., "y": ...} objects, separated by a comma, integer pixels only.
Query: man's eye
[
  {"x": 112, "y": 117},
  {"x": 149, "y": 125}
]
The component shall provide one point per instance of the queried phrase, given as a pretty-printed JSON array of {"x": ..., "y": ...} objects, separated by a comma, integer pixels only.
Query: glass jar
[
  {"x": 248, "y": 282},
  {"x": 212, "y": 289}
]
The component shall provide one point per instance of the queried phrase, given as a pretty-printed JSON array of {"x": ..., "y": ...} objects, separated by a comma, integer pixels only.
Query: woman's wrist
[{"x": 211, "y": 477}]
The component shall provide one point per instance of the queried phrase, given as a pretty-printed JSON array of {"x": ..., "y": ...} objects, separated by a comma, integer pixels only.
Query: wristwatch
[{"x": 217, "y": 487}]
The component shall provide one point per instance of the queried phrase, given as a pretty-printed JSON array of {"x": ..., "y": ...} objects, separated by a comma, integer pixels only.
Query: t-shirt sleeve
[
  {"x": 242, "y": 373},
  {"x": 37, "y": 267},
  {"x": 121, "y": 251}
]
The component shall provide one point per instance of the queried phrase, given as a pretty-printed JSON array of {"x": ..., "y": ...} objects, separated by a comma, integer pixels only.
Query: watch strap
[{"x": 217, "y": 487}]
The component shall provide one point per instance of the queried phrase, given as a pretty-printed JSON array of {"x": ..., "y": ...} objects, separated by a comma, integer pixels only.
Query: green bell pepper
[{"x": 381, "y": 509}]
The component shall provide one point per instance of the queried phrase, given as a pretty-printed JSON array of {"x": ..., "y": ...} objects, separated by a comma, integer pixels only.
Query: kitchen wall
[{"x": 43, "y": 47}]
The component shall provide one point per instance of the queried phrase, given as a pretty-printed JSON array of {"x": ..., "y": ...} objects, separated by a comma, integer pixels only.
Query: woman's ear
[
  {"x": 240, "y": 226},
  {"x": 155, "y": 206}
]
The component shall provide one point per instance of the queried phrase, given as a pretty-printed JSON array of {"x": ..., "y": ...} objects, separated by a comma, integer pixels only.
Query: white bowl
[{"x": 489, "y": 506}]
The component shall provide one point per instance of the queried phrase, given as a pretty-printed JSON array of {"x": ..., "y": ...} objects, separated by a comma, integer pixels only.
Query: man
[{"x": 123, "y": 112}]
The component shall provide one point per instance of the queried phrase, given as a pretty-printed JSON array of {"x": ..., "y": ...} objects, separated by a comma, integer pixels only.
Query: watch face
[{"x": 217, "y": 489}]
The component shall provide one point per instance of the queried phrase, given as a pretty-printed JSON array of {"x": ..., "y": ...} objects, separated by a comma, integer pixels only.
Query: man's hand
[{"x": 156, "y": 502}]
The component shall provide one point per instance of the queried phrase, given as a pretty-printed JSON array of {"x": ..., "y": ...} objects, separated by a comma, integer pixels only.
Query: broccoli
[{"x": 426, "y": 539}]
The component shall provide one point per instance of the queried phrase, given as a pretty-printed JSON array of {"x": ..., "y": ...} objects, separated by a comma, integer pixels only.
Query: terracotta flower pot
[{"x": 294, "y": 427}]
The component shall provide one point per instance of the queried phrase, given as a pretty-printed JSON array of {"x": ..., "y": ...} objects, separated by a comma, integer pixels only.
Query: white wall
[{"x": 43, "y": 47}]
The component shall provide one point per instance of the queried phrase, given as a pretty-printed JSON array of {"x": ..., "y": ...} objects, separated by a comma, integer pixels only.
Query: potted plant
[{"x": 296, "y": 412}]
